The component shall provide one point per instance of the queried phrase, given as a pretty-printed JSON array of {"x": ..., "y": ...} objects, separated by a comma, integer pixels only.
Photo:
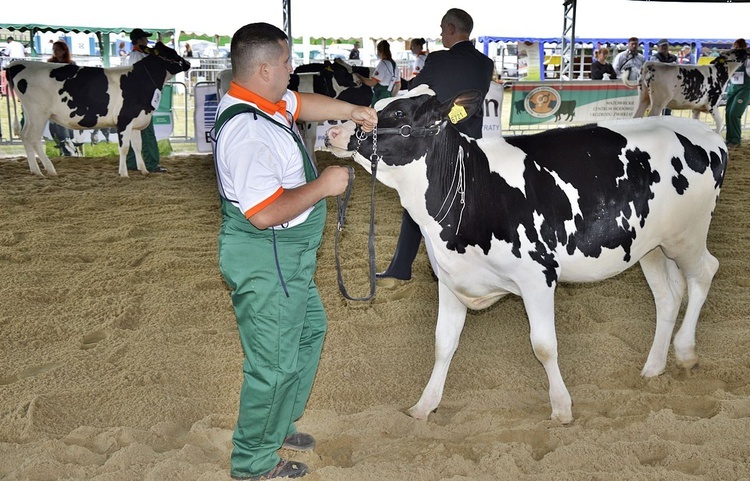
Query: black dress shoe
[
  {"x": 388, "y": 275},
  {"x": 159, "y": 170}
]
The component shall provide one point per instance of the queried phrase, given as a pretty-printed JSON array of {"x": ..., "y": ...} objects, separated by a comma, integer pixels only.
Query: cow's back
[
  {"x": 78, "y": 97},
  {"x": 618, "y": 189}
]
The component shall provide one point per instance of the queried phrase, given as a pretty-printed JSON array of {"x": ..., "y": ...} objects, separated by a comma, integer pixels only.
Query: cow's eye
[{"x": 399, "y": 114}]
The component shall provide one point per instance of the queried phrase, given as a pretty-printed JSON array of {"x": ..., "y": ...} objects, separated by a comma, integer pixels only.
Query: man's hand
[
  {"x": 367, "y": 117},
  {"x": 335, "y": 179}
]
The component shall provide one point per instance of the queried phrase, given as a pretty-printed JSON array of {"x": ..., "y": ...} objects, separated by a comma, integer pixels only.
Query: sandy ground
[{"x": 119, "y": 356}]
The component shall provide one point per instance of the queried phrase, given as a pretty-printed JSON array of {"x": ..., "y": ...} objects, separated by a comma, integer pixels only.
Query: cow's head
[
  {"x": 734, "y": 55},
  {"x": 344, "y": 73},
  {"x": 172, "y": 61},
  {"x": 408, "y": 128}
]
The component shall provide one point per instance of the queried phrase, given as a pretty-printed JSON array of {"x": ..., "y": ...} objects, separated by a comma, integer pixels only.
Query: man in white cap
[{"x": 150, "y": 148}]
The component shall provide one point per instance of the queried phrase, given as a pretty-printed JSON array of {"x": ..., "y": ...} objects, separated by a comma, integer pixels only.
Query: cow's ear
[{"x": 462, "y": 106}]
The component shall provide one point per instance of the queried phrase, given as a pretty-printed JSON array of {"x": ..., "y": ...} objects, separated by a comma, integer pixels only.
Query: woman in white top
[
  {"x": 420, "y": 55},
  {"x": 386, "y": 79}
]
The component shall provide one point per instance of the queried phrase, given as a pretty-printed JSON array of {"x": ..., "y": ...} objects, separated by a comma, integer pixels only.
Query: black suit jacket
[{"x": 448, "y": 72}]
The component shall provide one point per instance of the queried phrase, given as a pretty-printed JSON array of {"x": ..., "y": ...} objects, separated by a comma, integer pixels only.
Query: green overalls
[
  {"x": 281, "y": 323},
  {"x": 737, "y": 98}
]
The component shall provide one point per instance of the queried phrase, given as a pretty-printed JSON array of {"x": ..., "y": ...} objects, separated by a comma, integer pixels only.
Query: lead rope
[{"x": 342, "y": 205}]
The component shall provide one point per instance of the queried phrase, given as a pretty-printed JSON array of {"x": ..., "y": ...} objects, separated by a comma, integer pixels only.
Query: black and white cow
[
  {"x": 519, "y": 215},
  {"x": 334, "y": 79},
  {"x": 92, "y": 98},
  {"x": 694, "y": 87}
]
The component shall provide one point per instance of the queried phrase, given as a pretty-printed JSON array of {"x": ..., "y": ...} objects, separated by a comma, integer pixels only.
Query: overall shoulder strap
[{"x": 225, "y": 116}]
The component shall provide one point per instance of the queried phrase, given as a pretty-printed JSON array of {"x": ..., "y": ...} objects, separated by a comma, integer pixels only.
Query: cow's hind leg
[
  {"x": 450, "y": 323},
  {"x": 699, "y": 272},
  {"x": 668, "y": 286},
  {"x": 718, "y": 120},
  {"x": 31, "y": 136},
  {"x": 540, "y": 307}
]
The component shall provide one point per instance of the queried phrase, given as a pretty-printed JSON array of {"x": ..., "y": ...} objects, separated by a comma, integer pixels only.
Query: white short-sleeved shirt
[
  {"x": 256, "y": 159},
  {"x": 419, "y": 63},
  {"x": 15, "y": 49},
  {"x": 133, "y": 57},
  {"x": 385, "y": 74}
]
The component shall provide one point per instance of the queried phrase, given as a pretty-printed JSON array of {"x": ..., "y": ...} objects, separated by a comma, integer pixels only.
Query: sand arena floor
[{"x": 119, "y": 356}]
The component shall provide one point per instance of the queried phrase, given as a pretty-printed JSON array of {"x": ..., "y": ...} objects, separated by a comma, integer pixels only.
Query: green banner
[{"x": 571, "y": 102}]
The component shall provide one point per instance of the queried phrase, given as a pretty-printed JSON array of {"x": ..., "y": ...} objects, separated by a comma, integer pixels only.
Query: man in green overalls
[
  {"x": 738, "y": 94},
  {"x": 273, "y": 214}
]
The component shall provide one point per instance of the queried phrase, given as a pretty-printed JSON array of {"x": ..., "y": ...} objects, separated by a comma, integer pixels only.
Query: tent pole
[{"x": 287, "y": 13}]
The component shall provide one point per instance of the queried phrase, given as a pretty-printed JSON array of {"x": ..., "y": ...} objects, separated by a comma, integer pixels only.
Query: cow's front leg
[
  {"x": 540, "y": 307},
  {"x": 137, "y": 144},
  {"x": 450, "y": 323}
]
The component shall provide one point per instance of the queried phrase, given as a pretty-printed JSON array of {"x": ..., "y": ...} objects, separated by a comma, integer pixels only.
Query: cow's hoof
[
  {"x": 417, "y": 413},
  {"x": 651, "y": 371},
  {"x": 562, "y": 418}
]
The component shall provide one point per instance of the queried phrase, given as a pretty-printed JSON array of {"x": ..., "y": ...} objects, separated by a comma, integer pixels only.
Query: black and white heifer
[
  {"x": 333, "y": 79},
  {"x": 694, "y": 87},
  {"x": 522, "y": 214},
  {"x": 92, "y": 98}
]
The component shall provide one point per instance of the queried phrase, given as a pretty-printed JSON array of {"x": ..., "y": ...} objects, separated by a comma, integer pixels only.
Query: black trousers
[{"x": 406, "y": 249}]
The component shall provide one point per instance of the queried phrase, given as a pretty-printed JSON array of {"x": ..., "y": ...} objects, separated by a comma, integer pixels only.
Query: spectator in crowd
[
  {"x": 630, "y": 59},
  {"x": 685, "y": 55},
  {"x": 420, "y": 55},
  {"x": 664, "y": 56},
  {"x": 601, "y": 67},
  {"x": 738, "y": 94},
  {"x": 440, "y": 73},
  {"x": 62, "y": 136},
  {"x": 150, "y": 148},
  {"x": 188, "y": 50},
  {"x": 386, "y": 79},
  {"x": 14, "y": 49},
  {"x": 354, "y": 53},
  {"x": 273, "y": 214},
  {"x": 121, "y": 50}
]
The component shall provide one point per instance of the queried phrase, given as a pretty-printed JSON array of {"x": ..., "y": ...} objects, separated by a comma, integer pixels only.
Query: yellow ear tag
[
  {"x": 457, "y": 114},
  {"x": 156, "y": 52}
]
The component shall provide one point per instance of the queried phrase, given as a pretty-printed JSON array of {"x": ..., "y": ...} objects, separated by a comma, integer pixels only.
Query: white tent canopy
[{"x": 399, "y": 19}]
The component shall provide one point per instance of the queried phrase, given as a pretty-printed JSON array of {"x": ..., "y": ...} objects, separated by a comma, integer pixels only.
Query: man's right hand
[{"x": 335, "y": 179}]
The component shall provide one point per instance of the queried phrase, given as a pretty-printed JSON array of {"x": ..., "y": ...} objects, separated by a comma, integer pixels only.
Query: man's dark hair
[{"x": 255, "y": 43}]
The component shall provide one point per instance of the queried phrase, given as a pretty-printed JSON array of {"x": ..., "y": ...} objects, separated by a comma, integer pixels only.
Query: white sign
[{"x": 206, "y": 104}]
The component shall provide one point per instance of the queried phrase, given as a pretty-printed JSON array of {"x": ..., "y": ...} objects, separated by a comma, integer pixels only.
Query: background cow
[
  {"x": 92, "y": 98},
  {"x": 695, "y": 87},
  {"x": 519, "y": 215}
]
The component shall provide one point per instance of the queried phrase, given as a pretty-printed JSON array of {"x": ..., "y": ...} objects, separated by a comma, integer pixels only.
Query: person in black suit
[{"x": 446, "y": 72}]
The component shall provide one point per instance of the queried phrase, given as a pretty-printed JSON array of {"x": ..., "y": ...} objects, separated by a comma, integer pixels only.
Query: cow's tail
[
  {"x": 16, "y": 125},
  {"x": 625, "y": 75},
  {"x": 16, "y": 122}
]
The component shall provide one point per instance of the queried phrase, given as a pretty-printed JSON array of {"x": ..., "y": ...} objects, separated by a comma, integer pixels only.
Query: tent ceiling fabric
[
  {"x": 402, "y": 20},
  {"x": 70, "y": 28}
]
